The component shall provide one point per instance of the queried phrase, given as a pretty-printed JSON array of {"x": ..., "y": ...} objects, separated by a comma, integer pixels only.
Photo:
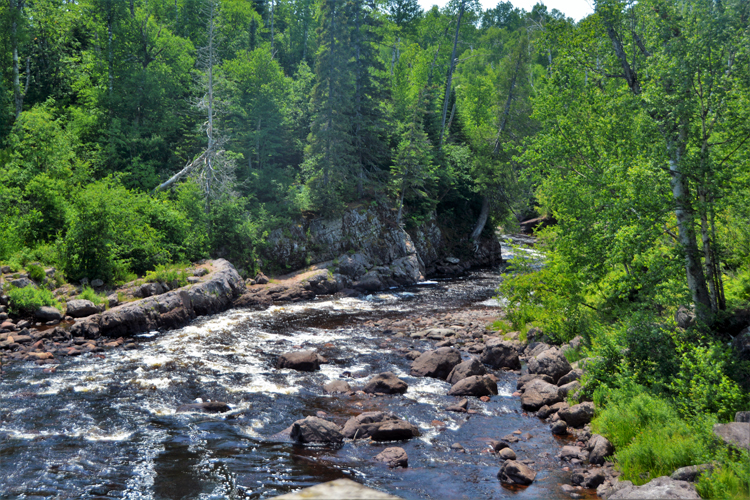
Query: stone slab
[{"x": 340, "y": 489}]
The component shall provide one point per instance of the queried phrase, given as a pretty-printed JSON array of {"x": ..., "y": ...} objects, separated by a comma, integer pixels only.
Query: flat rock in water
[
  {"x": 662, "y": 488},
  {"x": 303, "y": 361},
  {"x": 513, "y": 472},
  {"x": 208, "y": 407},
  {"x": 466, "y": 369},
  {"x": 394, "y": 457},
  {"x": 315, "y": 430},
  {"x": 476, "y": 385},
  {"x": 340, "y": 489},
  {"x": 436, "y": 364},
  {"x": 386, "y": 383}
]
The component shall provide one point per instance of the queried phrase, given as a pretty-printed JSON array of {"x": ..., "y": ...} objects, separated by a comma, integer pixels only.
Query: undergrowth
[{"x": 29, "y": 299}]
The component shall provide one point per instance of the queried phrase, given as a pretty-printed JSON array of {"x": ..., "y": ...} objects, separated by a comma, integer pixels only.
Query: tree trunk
[
  {"x": 17, "y": 95},
  {"x": 708, "y": 259},
  {"x": 508, "y": 102},
  {"x": 451, "y": 67},
  {"x": 482, "y": 221}
]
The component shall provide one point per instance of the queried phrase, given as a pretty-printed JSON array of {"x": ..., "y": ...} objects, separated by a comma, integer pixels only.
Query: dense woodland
[{"x": 140, "y": 133}]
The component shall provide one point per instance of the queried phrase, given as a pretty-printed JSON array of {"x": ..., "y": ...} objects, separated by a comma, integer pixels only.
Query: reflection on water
[{"x": 107, "y": 428}]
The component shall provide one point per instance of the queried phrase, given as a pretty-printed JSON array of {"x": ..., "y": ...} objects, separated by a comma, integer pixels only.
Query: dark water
[{"x": 107, "y": 428}]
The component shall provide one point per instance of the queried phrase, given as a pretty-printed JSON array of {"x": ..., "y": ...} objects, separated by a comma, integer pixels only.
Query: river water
[{"x": 105, "y": 426}]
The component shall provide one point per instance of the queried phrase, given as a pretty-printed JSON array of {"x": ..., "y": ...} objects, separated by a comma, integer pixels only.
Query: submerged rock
[{"x": 394, "y": 457}]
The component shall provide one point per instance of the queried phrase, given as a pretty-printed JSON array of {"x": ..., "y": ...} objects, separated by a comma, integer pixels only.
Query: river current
[{"x": 106, "y": 426}]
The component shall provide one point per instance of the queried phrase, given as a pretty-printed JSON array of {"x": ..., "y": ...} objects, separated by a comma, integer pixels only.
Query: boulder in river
[
  {"x": 81, "y": 308},
  {"x": 551, "y": 362},
  {"x": 662, "y": 487},
  {"x": 513, "y": 472},
  {"x": 460, "y": 407},
  {"x": 337, "y": 386},
  {"x": 207, "y": 407},
  {"x": 436, "y": 364},
  {"x": 506, "y": 454},
  {"x": 466, "y": 369},
  {"x": 386, "y": 383},
  {"x": 578, "y": 415},
  {"x": 303, "y": 361},
  {"x": 379, "y": 426},
  {"x": 500, "y": 353},
  {"x": 315, "y": 430},
  {"x": 599, "y": 448},
  {"x": 476, "y": 385},
  {"x": 538, "y": 393},
  {"x": 394, "y": 457}
]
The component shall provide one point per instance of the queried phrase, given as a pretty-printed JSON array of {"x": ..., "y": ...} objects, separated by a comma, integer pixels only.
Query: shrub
[
  {"x": 36, "y": 272},
  {"x": 29, "y": 299},
  {"x": 168, "y": 274},
  {"x": 88, "y": 293}
]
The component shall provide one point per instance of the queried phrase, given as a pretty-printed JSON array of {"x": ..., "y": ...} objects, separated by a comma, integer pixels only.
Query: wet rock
[
  {"x": 337, "y": 386},
  {"x": 47, "y": 313},
  {"x": 436, "y": 364},
  {"x": 578, "y": 415},
  {"x": 551, "y": 362},
  {"x": 386, "y": 383},
  {"x": 513, "y": 472},
  {"x": 476, "y": 385},
  {"x": 207, "y": 407},
  {"x": 460, "y": 407},
  {"x": 498, "y": 445},
  {"x": 599, "y": 448},
  {"x": 303, "y": 361},
  {"x": 571, "y": 376},
  {"x": 538, "y": 393},
  {"x": 506, "y": 454},
  {"x": 734, "y": 434},
  {"x": 466, "y": 369},
  {"x": 457, "y": 447},
  {"x": 433, "y": 334},
  {"x": 571, "y": 452},
  {"x": 684, "y": 317},
  {"x": 559, "y": 428},
  {"x": 80, "y": 308},
  {"x": 662, "y": 487},
  {"x": 691, "y": 473},
  {"x": 315, "y": 430},
  {"x": 394, "y": 457},
  {"x": 379, "y": 426},
  {"x": 500, "y": 353}
]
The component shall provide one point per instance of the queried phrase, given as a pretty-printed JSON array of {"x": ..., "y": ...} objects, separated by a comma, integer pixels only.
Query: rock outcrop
[{"x": 662, "y": 487}]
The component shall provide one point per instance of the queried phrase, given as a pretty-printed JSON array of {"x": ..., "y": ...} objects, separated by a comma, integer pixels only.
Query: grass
[
  {"x": 168, "y": 273},
  {"x": 88, "y": 293},
  {"x": 29, "y": 299}
]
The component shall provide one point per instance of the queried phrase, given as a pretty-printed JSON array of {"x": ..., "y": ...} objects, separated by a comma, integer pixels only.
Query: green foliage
[
  {"x": 29, "y": 299},
  {"x": 36, "y": 272},
  {"x": 88, "y": 293},
  {"x": 168, "y": 274}
]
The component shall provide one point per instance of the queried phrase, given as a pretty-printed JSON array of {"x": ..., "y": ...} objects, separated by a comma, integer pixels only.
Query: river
[{"x": 105, "y": 426}]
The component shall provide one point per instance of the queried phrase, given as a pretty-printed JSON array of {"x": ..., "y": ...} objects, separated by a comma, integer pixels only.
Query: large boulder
[
  {"x": 466, "y": 369},
  {"x": 335, "y": 386},
  {"x": 599, "y": 448},
  {"x": 684, "y": 317},
  {"x": 571, "y": 376},
  {"x": 476, "y": 385},
  {"x": 81, "y": 308},
  {"x": 538, "y": 393},
  {"x": 379, "y": 426},
  {"x": 315, "y": 430},
  {"x": 47, "y": 313},
  {"x": 662, "y": 488},
  {"x": 437, "y": 363},
  {"x": 551, "y": 362},
  {"x": 394, "y": 457},
  {"x": 500, "y": 353},
  {"x": 734, "y": 434},
  {"x": 513, "y": 472},
  {"x": 303, "y": 361},
  {"x": 386, "y": 383},
  {"x": 577, "y": 415}
]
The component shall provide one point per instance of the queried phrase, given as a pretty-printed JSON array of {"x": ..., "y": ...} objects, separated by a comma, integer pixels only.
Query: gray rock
[
  {"x": 571, "y": 376},
  {"x": 475, "y": 385},
  {"x": 394, "y": 457},
  {"x": 112, "y": 300},
  {"x": 536, "y": 348},
  {"x": 316, "y": 430},
  {"x": 538, "y": 393},
  {"x": 337, "y": 386},
  {"x": 742, "y": 416},
  {"x": 201, "y": 271},
  {"x": 551, "y": 362},
  {"x": 379, "y": 426},
  {"x": 662, "y": 488},
  {"x": 303, "y": 361},
  {"x": 691, "y": 472},
  {"x": 4, "y": 269},
  {"x": 386, "y": 383},
  {"x": 97, "y": 283},
  {"x": 21, "y": 282},
  {"x": 559, "y": 428},
  {"x": 436, "y": 364},
  {"x": 80, "y": 308},
  {"x": 354, "y": 266},
  {"x": 684, "y": 317},
  {"x": 577, "y": 415},
  {"x": 460, "y": 407},
  {"x": 513, "y": 472},
  {"x": 466, "y": 369},
  {"x": 525, "y": 379},
  {"x": 506, "y": 454},
  {"x": 570, "y": 388},
  {"x": 500, "y": 353},
  {"x": 599, "y": 448},
  {"x": 570, "y": 452},
  {"x": 338, "y": 489},
  {"x": 48, "y": 313},
  {"x": 734, "y": 434},
  {"x": 261, "y": 279}
]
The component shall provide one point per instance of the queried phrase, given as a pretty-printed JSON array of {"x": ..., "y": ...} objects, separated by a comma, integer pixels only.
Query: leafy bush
[
  {"x": 730, "y": 479},
  {"x": 88, "y": 293},
  {"x": 29, "y": 299},
  {"x": 36, "y": 272},
  {"x": 168, "y": 274}
]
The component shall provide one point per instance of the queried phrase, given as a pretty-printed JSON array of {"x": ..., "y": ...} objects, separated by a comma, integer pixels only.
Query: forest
[{"x": 136, "y": 134}]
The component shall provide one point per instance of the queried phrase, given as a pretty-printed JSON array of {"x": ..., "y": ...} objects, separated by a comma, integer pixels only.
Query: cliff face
[{"x": 367, "y": 246}]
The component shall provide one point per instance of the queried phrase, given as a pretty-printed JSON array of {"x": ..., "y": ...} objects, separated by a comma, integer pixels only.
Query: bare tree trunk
[
  {"x": 508, "y": 102},
  {"x": 708, "y": 257},
  {"x": 482, "y": 221},
  {"x": 451, "y": 67},
  {"x": 16, "y": 7}
]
